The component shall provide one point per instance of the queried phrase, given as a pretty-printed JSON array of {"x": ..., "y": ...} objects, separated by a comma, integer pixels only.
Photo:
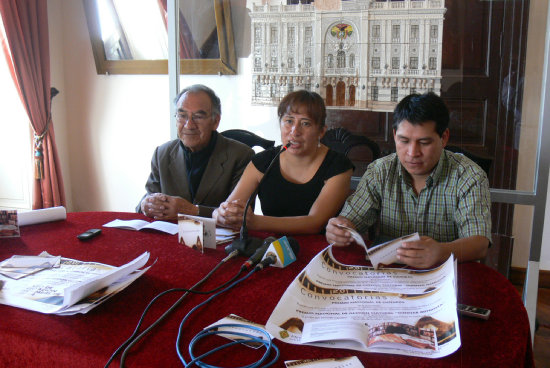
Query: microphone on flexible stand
[
  {"x": 280, "y": 253},
  {"x": 258, "y": 253},
  {"x": 245, "y": 245}
]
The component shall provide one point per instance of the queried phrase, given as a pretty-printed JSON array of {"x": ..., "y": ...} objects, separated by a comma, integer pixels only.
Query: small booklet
[
  {"x": 385, "y": 253},
  {"x": 9, "y": 227},
  {"x": 197, "y": 232},
  {"x": 234, "y": 323},
  {"x": 163, "y": 226}
]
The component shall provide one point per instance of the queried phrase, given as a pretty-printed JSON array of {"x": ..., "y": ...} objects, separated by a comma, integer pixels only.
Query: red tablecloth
[{"x": 38, "y": 340}]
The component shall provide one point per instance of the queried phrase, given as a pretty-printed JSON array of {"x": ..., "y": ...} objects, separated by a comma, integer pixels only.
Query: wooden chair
[{"x": 248, "y": 138}]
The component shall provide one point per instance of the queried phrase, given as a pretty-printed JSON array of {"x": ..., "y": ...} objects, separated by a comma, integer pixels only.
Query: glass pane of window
[
  {"x": 133, "y": 30},
  {"x": 15, "y": 143}
]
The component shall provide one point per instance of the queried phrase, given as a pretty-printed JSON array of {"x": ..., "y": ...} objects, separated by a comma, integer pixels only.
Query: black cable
[
  {"x": 134, "y": 338},
  {"x": 196, "y": 360}
]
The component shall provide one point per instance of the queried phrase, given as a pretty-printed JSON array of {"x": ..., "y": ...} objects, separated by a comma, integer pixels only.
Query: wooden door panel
[
  {"x": 466, "y": 31},
  {"x": 468, "y": 122}
]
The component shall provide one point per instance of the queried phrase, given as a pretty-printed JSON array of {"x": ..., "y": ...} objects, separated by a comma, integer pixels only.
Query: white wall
[{"x": 108, "y": 126}]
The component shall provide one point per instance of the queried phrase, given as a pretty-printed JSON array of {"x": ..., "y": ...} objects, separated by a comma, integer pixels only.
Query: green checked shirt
[{"x": 455, "y": 203}]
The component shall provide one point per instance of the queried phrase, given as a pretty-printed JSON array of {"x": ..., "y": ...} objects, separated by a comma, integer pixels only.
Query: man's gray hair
[{"x": 196, "y": 88}]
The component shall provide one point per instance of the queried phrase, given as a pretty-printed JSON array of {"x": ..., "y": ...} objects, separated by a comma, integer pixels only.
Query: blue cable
[
  {"x": 196, "y": 360},
  {"x": 217, "y": 330}
]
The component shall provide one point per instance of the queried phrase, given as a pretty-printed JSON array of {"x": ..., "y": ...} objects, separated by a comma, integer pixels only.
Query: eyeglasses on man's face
[{"x": 199, "y": 117}]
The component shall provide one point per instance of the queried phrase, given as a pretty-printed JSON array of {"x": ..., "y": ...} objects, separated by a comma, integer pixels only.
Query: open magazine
[
  {"x": 395, "y": 311},
  {"x": 137, "y": 225},
  {"x": 384, "y": 253}
]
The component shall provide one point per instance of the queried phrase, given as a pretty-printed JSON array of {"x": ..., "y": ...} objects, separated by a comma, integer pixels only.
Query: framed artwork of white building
[{"x": 357, "y": 54}]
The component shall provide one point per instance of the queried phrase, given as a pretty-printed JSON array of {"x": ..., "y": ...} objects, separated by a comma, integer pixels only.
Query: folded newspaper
[
  {"x": 73, "y": 287},
  {"x": 394, "y": 311}
]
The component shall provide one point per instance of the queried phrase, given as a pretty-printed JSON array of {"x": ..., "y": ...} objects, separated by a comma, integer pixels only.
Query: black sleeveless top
[{"x": 282, "y": 198}]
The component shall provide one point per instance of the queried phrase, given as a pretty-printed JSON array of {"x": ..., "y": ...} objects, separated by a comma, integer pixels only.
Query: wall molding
[{"x": 517, "y": 277}]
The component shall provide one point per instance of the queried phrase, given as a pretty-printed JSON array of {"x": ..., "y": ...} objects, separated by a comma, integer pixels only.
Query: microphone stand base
[{"x": 246, "y": 247}]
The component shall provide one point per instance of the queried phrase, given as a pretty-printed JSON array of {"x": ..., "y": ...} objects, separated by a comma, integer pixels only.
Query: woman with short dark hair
[{"x": 308, "y": 182}]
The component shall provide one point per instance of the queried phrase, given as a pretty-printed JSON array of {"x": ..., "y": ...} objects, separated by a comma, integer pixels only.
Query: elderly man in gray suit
[{"x": 198, "y": 171}]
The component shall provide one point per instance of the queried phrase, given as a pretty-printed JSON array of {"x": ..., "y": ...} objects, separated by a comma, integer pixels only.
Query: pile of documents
[
  {"x": 224, "y": 235},
  {"x": 63, "y": 286},
  {"x": 18, "y": 267}
]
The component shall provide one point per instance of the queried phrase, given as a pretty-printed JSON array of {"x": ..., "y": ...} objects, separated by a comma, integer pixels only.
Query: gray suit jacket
[{"x": 223, "y": 171}]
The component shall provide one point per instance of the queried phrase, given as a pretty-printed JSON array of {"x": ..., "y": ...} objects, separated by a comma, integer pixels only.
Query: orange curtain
[{"x": 26, "y": 26}]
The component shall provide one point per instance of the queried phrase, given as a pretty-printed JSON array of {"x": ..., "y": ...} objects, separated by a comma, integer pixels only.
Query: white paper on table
[
  {"x": 17, "y": 261},
  {"x": 76, "y": 292},
  {"x": 222, "y": 231},
  {"x": 93, "y": 300},
  {"x": 53, "y": 290},
  {"x": 224, "y": 235},
  {"x": 41, "y": 215},
  {"x": 347, "y": 362},
  {"x": 19, "y": 266},
  {"x": 164, "y": 226}
]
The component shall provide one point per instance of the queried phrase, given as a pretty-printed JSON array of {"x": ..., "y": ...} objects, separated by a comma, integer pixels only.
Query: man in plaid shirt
[{"x": 421, "y": 188}]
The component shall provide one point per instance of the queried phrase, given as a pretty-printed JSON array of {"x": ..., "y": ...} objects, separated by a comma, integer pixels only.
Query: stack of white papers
[
  {"x": 18, "y": 267},
  {"x": 73, "y": 287},
  {"x": 224, "y": 235}
]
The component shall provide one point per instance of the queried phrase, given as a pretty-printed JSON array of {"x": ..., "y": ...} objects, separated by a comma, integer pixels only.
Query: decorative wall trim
[{"x": 517, "y": 277}]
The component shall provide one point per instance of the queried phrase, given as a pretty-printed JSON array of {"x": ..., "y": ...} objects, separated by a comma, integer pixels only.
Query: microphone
[
  {"x": 259, "y": 253},
  {"x": 280, "y": 253},
  {"x": 245, "y": 245}
]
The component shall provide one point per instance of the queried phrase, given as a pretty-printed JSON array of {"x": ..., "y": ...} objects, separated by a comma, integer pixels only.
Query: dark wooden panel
[
  {"x": 465, "y": 32},
  {"x": 467, "y": 125},
  {"x": 369, "y": 123}
]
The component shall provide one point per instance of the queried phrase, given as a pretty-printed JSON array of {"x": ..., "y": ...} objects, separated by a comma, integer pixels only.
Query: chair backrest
[
  {"x": 248, "y": 138},
  {"x": 358, "y": 148},
  {"x": 342, "y": 140},
  {"x": 483, "y": 162},
  {"x": 353, "y": 146}
]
